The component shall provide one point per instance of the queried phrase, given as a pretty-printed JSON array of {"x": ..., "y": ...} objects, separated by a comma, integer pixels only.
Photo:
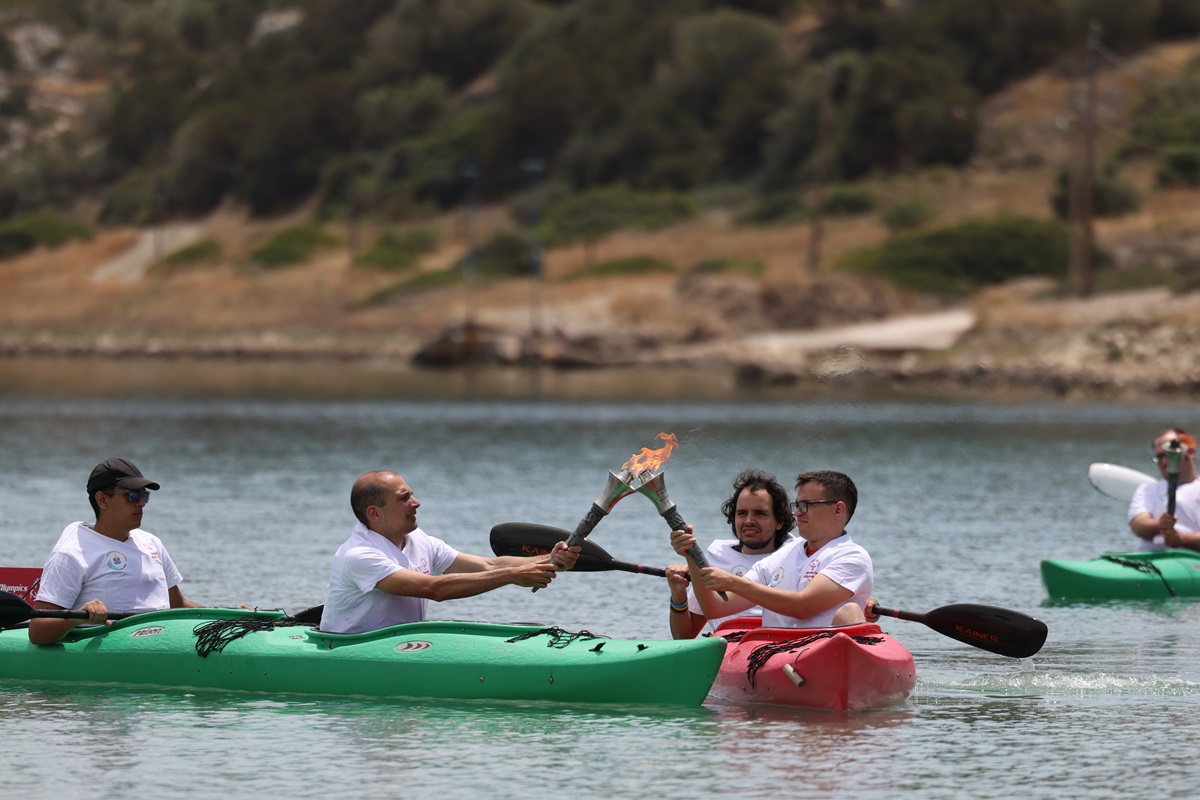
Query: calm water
[{"x": 959, "y": 502}]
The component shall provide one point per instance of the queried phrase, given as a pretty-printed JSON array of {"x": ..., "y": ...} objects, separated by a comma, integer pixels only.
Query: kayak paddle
[
  {"x": 528, "y": 539},
  {"x": 997, "y": 630},
  {"x": 1117, "y": 482},
  {"x": 14, "y": 611}
]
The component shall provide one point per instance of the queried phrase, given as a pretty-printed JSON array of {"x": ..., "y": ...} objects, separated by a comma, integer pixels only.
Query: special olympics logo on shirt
[
  {"x": 738, "y": 571},
  {"x": 115, "y": 561},
  {"x": 776, "y": 578}
]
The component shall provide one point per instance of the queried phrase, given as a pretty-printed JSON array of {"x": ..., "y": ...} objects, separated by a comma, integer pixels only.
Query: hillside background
[{"x": 606, "y": 181}]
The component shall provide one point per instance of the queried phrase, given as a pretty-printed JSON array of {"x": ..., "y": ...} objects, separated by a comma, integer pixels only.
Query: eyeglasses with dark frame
[
  {"x": 133, "y": 495},
  {"x": 801, "y": 506}
]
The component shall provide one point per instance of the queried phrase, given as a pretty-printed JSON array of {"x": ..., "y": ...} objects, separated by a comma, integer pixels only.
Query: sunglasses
[
  {"x": 801, "y": 506},
  {"x": 135, "y": 496}
]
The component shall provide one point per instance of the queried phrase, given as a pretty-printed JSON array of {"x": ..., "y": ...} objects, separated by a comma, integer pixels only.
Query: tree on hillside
[
  {"x": 915, "y": 110},
  {"x": 575, "y": 73}
]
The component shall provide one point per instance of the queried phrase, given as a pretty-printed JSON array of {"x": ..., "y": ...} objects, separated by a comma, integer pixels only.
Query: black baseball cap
[{"x": 118, "y": 472}]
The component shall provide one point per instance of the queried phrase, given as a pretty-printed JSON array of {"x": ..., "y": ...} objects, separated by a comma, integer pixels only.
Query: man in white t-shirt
[
  {"x": 820, "y": 579},
  {"x": 760, "y": 513},
  {"x": 389, "y": 569},
  {"x": 109, "y": 564},
  {"x": 1148, "y": 517}
]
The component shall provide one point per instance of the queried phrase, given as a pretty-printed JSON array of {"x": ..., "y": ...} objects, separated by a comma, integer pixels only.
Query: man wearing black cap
[{"x": 111, "y": 563}]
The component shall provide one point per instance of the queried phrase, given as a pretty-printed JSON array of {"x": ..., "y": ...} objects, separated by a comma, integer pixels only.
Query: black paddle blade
[
  {"x": 14, "y": 611},
  {"x": 997, "y": 630},
  {"x": 310, "y": 615},
  {"x": 528, "y": 539}
]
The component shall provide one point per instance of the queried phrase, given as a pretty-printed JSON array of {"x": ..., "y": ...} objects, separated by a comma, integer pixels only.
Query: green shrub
[
  {"x": 777, "y": 208},
  {"x": 504, "y": 255},
  {"x": 725, "y": 266},
  {"x": 207, "y": 250},
  {"x": 622, "y": 267},
  {"x": 292, "y": 245},
  {"x": 590, "y": 216},
  {"x": 958, "y": 260},
  {"x": 425, "y": 280},
  {"x": 1111, "y": 196},
  {"x": 133, "y": 200},
  {"x": 1114, "y": 197},
  {"x": 1131, "y": 279},
  {"x": 847, "y": 201},
  {"x": 908, "y": 216},
  {"x": 399, "y": 249},
  {"x": 1180, "y": 166},
  {"x": 22, "y": 234}
]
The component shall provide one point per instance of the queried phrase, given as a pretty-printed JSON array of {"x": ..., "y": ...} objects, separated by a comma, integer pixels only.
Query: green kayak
[
  {"x": 266, "y": 651},
  {"x": 1125, "y": 576}
]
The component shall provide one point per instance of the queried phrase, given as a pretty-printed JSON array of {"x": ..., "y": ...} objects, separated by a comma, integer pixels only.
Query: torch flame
[{"x": 650, "y": 460}]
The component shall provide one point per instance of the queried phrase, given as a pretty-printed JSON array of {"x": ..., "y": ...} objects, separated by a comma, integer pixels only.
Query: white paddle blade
[{"x": 1116, "y": 481}]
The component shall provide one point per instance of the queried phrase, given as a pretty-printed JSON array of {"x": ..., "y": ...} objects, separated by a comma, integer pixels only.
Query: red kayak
[{"x": 848, "y": 668}]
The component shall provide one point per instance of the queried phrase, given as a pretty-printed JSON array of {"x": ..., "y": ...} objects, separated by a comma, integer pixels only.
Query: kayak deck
[
  {"x": 847, "y": 668},
  {"x": 258, "y": 651},
  {"x": 1146, "y": 575}
]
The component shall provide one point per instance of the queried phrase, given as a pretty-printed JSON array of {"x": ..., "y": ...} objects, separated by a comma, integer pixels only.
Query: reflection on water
[
  {"x": 331, "y": 379},
  {"x": 349, "y": 379}
]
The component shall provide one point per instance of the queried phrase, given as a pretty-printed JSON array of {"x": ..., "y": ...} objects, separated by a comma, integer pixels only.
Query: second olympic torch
[{"x": 656, "y": 489}]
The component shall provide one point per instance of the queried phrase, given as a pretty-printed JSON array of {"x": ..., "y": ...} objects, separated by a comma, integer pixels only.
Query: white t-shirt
[
  {"x": 721, "y": 554},
  {"x": 128, "y": 577},
  {"x": 354, "y": 605},
  {"x": 1152, "y": 498},
  {"x": 791, "y": 569}
]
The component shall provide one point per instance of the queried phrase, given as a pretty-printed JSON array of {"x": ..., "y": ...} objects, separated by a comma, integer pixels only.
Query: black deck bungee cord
[{"x": 211, "y": 637}]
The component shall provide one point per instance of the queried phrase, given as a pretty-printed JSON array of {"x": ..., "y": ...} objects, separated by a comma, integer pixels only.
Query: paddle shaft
[{"x": 528, "y": 539}]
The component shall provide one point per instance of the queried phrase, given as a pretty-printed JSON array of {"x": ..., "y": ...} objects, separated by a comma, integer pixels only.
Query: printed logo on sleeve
[
  {"x": 115, "y": 561},
  {"x": 776, "y": 579}
]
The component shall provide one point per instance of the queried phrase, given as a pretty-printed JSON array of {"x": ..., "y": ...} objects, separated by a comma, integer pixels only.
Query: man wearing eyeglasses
[
  {"x": 820, "y": 579},
  {"x": 760, "y": 514},
  {"x": 111, "y": 563},
  {"x": 1148, "y": 517}
]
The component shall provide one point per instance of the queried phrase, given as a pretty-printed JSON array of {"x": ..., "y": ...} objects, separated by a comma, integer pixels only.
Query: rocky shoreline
[{"x": 970, "y": 369}]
